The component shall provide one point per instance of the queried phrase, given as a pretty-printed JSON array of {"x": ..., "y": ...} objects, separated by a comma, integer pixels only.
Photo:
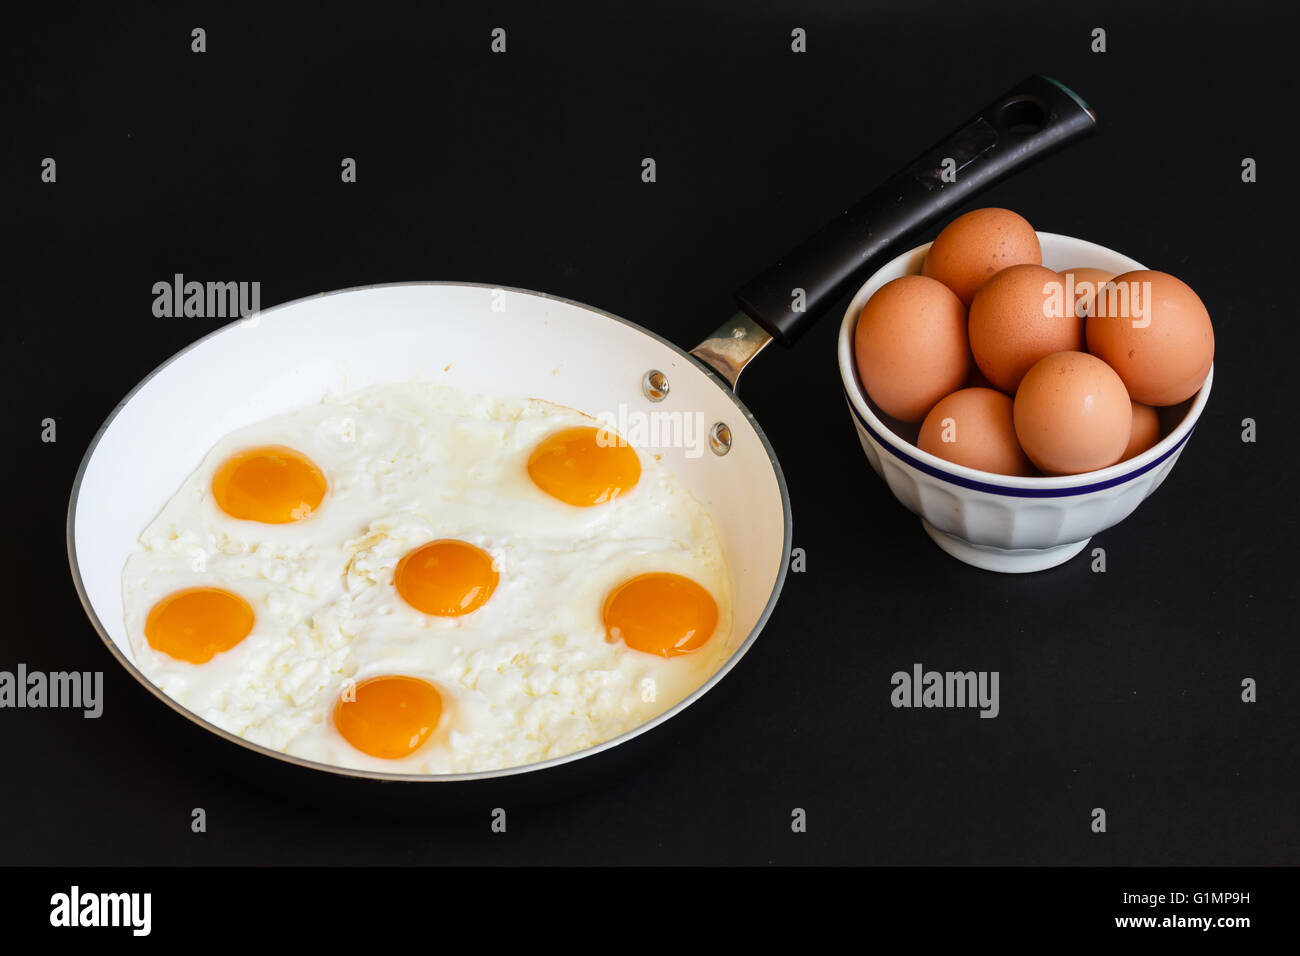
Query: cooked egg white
[{"x": 526, "y": 677}]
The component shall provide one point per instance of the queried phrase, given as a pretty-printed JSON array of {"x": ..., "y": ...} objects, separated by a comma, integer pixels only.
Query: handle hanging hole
[{"x": 1022, "y": 114}]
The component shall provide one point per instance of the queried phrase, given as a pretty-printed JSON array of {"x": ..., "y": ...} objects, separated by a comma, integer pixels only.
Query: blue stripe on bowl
[{"x": 1003, "y": 489}]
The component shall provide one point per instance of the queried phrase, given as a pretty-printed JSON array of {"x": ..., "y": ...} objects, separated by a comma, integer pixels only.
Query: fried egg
[{"x": 416, "y": 579}]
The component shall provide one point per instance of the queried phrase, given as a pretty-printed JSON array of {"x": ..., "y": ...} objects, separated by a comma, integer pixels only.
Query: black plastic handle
[{"x": 1030, "y": 120}]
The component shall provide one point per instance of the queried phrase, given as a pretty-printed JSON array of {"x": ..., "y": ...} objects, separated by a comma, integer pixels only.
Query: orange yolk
[
  {"x": 197, "y": 623},
  {"x": 271, "y": 484},
  {"x": 660, "y": 613},
  {"x": 584, "y": 466},
  {"x": 447, "y": 578},
  {"x": 388, "y": 717}
]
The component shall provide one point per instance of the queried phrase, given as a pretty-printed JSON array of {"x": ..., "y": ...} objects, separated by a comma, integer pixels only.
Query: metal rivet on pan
[
  {"x": 655, "y": 385},
  {"x": 720, "y": 438}
]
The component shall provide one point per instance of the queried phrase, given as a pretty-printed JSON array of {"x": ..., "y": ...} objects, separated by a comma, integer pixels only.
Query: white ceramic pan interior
[{"x": 506, "y": 342}]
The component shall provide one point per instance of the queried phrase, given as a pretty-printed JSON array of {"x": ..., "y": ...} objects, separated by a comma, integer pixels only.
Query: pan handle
[{"x": 1031, "y": 119}]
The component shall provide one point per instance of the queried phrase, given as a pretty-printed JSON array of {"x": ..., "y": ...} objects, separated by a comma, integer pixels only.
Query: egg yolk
[
  {"x": 271, "y": 484},
  {"x": 584, "y": 466},
  {"x": 660, "y": 613},
  {"x": 388, "y": 717},
  {"x": 447, "y": 578},
  {"x": 197, "y": 623}
]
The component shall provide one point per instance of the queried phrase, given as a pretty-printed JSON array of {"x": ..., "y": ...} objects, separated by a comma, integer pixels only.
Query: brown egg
[
  {"x": 1144, "y": 433},
  {"x": 973, "y": 247},
  {"x": 911, "y": 346},
  {"x": 1018, "y": 317},
  {"x": 1154, "y": 331},
  {"x": 974, "y": 427},
  {"x": 1072, "y": 414},
  {"x": 1084, "y": 282}
]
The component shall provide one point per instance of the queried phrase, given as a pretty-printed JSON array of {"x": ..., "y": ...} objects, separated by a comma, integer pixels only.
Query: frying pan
[{"x": 518, "y": 343}]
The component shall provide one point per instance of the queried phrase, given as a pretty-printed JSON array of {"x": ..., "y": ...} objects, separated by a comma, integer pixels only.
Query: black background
[{"x": 1119, "y": 690}]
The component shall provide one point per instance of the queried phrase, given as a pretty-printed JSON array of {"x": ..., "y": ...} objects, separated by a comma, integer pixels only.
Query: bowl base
[{"x": 1003, "y": 560}]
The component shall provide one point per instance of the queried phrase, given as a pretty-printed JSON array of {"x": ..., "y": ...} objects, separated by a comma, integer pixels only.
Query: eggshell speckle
[
  {"x": 974, "y": 427},
  {"x": 911, "y": 347},
  {"x": 1072, "y": 414},
  {"x": 1155, "y": 332},
  {"x": 1018, "y": 317},
  {"x": 973, "y": 247}
]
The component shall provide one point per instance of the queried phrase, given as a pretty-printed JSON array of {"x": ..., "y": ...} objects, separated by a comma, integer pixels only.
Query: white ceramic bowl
[{"x": 999, "y": 522}]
